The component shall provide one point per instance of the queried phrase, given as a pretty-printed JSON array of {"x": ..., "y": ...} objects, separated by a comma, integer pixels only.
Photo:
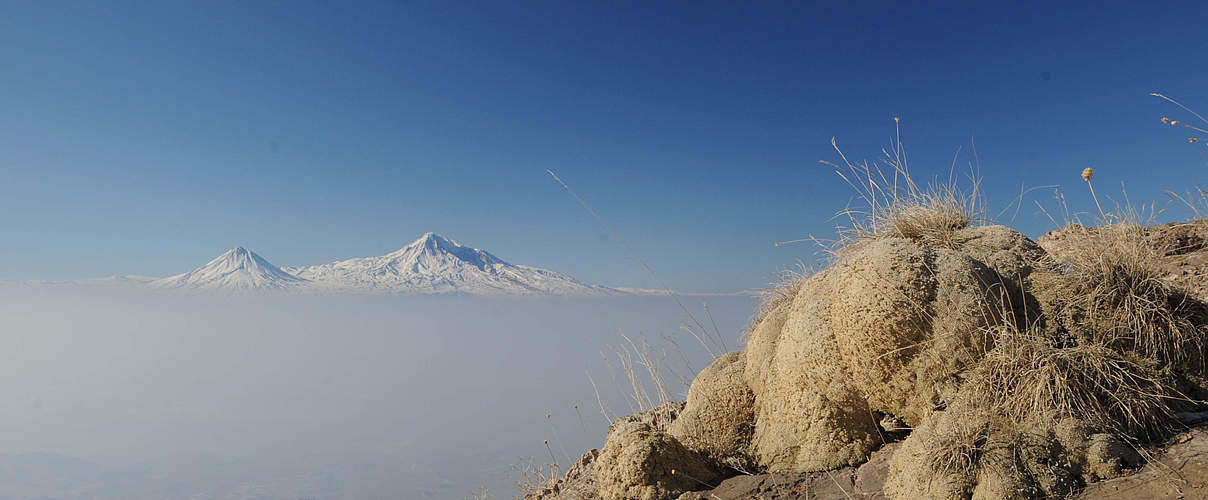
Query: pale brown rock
[
  {"x": 641, "y": 462},
  {"x": 718, "y": 419}
]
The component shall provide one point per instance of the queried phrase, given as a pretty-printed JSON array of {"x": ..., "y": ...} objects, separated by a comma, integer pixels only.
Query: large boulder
[
  {"x": 884, "y": 331},
  {"x": 719, "y": 417},
  {"x": 1007, "y": 251},
  {"x": 807, "y": 414},
  {"x": 908, "y": 318}
]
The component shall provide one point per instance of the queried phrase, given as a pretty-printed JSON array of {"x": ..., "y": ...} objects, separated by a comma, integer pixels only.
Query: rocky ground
[
  {"x": 1177, "y": 471},
  {"x": 863, "y": 482}
]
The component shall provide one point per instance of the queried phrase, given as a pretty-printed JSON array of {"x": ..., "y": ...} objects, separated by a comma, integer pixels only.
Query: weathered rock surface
[
  {"x": 883, "y": 331},
  {"x": 579, "y": 483},
  {"x": 659, "y": 417},
  {"x": 718, "y": 419},
  {"x": 863, "y": 483},
  {"x": 641, "y": 462},
  {"x": 1180, "y": 471}
]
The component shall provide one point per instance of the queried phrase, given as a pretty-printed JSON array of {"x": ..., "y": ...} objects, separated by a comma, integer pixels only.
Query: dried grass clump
[
  {"x": 1027, "y": 377},
  {"x": 533, "y": 478},
  {"x": 1114, "y": 294},
  {"x": 971, "y": 442},
  {"x": 928, "y": 216},
  {"x": 956, "y": 449},
  {"x": 895, "y": 206}
]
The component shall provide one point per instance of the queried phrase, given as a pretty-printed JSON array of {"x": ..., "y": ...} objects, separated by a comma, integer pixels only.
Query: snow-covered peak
[
  {"x": 434, "y": 251},
  {"x": 238, "y": 255},
  {"x": 239, "y": 259},
  {"x": 237, "y": 268},
  {"x": 429, "y": 242},
  {"x": 435, "y": 264}
]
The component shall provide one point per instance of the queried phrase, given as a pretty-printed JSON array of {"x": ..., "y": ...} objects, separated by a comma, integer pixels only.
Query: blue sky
[{"x": 147, "y": 138}]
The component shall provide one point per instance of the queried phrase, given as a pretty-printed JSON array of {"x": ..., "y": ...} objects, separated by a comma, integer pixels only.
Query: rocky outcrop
[
  {"x": 883, "y": 331},
  {"x": 908, "y": 370}
]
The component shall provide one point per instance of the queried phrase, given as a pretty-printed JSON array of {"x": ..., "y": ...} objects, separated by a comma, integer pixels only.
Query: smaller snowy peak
[{"x": 236, "y": 269}]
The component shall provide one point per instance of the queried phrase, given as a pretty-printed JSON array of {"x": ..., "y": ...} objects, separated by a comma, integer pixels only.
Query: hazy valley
[{"x": 138, "y": 394}]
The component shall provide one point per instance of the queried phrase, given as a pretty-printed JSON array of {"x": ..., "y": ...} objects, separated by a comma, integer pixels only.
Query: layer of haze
[{"x": 136, "y": 396}]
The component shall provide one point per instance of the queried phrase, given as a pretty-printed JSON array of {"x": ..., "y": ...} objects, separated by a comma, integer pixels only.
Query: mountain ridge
[
  {"x": 434, "y": 264},
  {"x": 431, "y": 264}
]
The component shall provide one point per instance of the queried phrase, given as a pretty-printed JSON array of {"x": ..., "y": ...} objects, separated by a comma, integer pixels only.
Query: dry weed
[
  {"x": 1027, "y": 377},
  {"x": 532, "y": 477},
  {"x": 1116, "y": 296},
  {"x": 895, "y": 206},
  {"x": 957, "y": 449}
]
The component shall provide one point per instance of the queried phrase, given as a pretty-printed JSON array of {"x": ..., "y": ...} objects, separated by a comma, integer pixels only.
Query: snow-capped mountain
[
  {"x": 434, "y": 264},
  {"x": 237, "y": 269},
  {"x": 431, "y": 264}
]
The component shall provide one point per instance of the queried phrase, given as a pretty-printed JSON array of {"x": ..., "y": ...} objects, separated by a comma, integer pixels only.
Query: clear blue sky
[{"x": 148, "y": 137}]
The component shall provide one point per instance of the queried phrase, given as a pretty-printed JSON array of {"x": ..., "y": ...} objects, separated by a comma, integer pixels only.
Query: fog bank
[{"x": 124, "y": 394}]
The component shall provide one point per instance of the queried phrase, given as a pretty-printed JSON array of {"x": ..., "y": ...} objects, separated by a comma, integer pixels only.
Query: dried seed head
[
  {"x": 1192, "y": 139},
  {"x": 1174, "y": 122},
  {"x": 1165, "y": 120},
  {"x": 1087, "y": 173}
]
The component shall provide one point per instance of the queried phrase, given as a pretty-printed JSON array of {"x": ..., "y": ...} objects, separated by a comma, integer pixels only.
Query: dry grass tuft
[
  {"x": 1117, "y": 297},
  {"x": 1027, "y": 376},
  {"x": 957, "y": 449},
  {"x": 532, "y": 477},
  {"x": 631, "y": 356},
  {"x": 895, "y": 206}
]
